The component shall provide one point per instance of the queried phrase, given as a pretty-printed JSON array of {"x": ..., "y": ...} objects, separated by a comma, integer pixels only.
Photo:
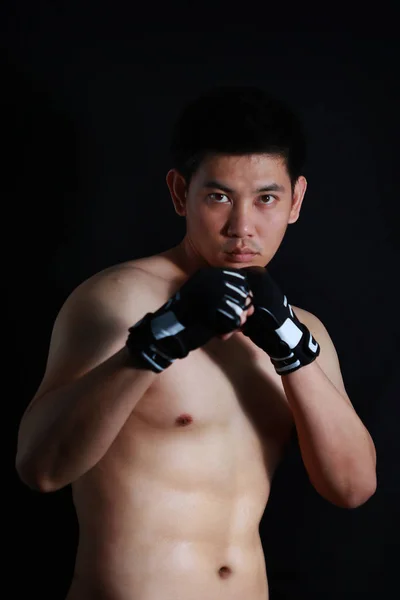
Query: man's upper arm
[
  {"x": 92, "y": 325},
  {"x": 328, "y": 358}
]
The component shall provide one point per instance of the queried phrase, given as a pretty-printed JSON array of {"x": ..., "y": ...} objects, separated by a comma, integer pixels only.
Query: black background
[{"x": 89, "y": 95}]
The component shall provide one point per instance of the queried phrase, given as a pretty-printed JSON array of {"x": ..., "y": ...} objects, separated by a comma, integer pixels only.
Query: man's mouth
[
  {"x": 241, "y": 255},
  {"x": 242, "y": 251}
]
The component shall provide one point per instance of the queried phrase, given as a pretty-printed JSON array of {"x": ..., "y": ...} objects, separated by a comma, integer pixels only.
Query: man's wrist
[{"x": 301, "y": 349}]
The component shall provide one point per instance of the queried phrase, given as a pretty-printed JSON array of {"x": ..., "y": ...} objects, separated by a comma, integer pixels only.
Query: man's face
[{"x": 237, "y": 209}]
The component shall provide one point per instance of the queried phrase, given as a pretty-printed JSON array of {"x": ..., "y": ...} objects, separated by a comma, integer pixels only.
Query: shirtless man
[{"x": 173, "y": 382}]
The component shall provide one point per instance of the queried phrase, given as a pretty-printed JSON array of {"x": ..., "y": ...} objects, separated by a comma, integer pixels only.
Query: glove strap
[{"x": 303, "y": 349}]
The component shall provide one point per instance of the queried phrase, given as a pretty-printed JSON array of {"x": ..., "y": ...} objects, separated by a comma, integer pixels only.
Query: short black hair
[{"x": 237, "y": 120}]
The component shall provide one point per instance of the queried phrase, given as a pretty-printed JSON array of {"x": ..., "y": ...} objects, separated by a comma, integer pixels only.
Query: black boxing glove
[
  {"x": 275, "y": 328},
  {"x": 210, "y": 303}
]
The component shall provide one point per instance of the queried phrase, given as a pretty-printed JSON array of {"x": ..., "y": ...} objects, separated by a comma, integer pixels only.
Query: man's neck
[{"x": 186, "y": 258}]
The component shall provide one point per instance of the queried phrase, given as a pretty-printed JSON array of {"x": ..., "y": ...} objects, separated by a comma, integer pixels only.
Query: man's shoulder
[
  {"x": 145, "y": 278},
  {"x": 312, "y": 322},
  {"x": 328, "y": 359},
  {"x": 303, "y": 315},
  {"x": 148, "y": 269},
  {"x": 123, "y": 291}
]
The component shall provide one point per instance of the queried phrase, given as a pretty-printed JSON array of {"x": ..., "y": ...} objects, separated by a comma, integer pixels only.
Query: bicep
[{"x": 79, "y": 342}]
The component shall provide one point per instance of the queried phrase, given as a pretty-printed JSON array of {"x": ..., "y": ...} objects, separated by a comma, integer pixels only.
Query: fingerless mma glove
[
  {"x": 210, "y": 303},
  {"x": 275, "y": 328}
]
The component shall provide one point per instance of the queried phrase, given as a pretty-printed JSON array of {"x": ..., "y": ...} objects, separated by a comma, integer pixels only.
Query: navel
[
  {"x": 184, "y": 420},
  {"x": 224, "y": 572}
]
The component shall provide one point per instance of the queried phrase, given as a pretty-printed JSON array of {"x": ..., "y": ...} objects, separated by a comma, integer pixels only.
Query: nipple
[
  {"x": 224, "y": 572},
  {"x": 183, "y": 420}
]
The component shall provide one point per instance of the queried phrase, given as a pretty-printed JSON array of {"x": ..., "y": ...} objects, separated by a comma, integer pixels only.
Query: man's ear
[
  {"x": 297, "y": 199},
  {"x": 177, "y": 188}
]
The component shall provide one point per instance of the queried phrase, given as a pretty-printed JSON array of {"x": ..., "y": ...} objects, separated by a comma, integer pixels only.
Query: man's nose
[{"x": 240, "y": 223}]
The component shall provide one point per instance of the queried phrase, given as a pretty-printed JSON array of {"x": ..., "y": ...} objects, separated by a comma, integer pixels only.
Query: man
[{"x": 174, "y": 381}]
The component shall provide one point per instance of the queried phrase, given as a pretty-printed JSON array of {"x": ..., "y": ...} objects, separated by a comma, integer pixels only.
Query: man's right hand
[{"x": 213, "y": 302}]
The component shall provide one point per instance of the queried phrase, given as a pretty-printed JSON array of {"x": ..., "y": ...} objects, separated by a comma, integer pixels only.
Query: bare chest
[
  {"x": 226, "y": 383},
  {"x": 204, "y": 440}
]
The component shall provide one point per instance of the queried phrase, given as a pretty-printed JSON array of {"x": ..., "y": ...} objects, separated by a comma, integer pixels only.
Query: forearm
[
  {"x": 68, "y": 430},
  {"x": 337, "y": 450}
]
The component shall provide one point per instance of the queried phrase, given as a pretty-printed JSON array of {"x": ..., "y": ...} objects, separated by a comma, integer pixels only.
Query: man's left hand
[{"x": 275, "y": 328}]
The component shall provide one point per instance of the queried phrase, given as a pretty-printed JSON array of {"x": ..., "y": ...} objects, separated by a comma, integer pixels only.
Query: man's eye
[
  {"x": 268, "y": 199},
  {"x": 217, "y": 197}
]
